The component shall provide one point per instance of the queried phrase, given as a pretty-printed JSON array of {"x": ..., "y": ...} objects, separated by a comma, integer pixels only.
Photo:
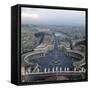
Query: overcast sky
[{"x": 52, "y": 16}]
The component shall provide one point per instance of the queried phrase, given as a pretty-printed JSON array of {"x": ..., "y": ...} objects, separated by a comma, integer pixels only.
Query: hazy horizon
[{"x": 38, "y": 16}]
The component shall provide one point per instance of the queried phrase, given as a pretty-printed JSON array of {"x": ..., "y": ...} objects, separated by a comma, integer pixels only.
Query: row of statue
[{"x": 53, "y": 70}]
